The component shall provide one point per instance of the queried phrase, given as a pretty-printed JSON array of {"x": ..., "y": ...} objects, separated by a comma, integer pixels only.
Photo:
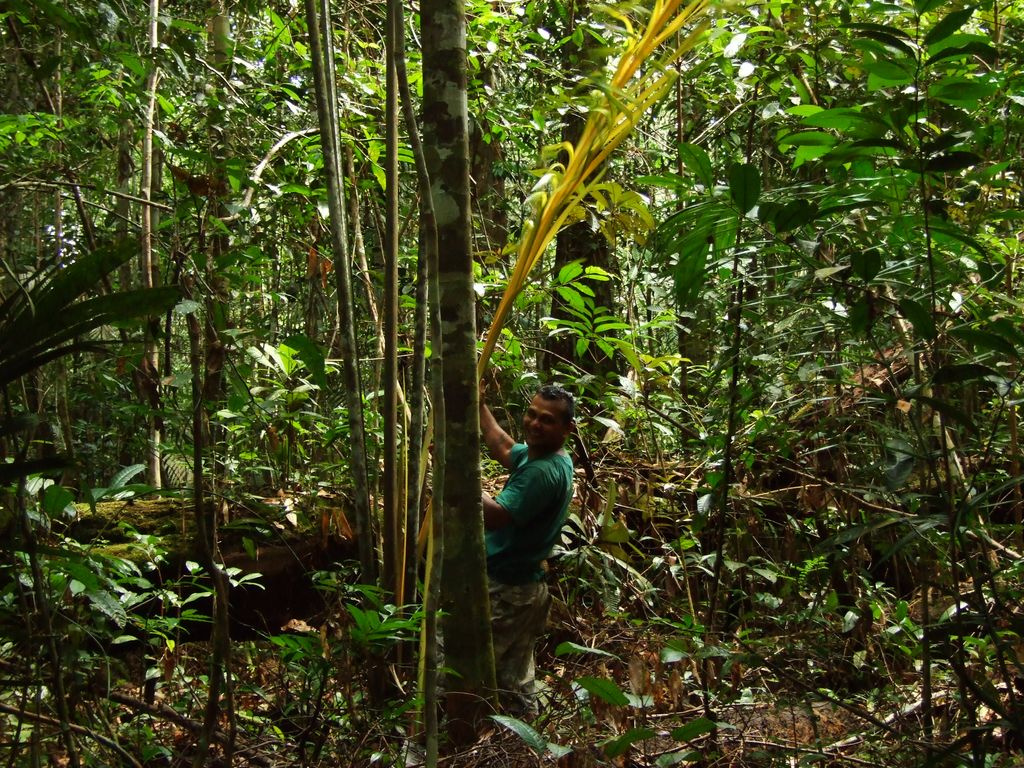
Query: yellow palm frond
[{"x": 563, "y": 186}]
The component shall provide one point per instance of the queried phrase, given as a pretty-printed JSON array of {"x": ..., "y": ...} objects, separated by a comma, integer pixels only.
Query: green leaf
[
  {"x": 949, "y": 410},
  {"x": 693, "y": 729},
  {"x": 689, "y": 271},
  {"x": 744, "y": 185},
  {"x": 664, "y": 180},
  {"x": 975, "y": 48},
  {"x": 861, "y": 315},
  {"x": 847, "y": 120},
  {"x": 619, "y": 746},
  {"x": 925, "y": 6},
  {"x": 604, "y": 689},
  {"x": 697, "y": 160},
  {"x": 890, "y": 37},
  {"x": 807, "y": 139},
  {"x": 947, "y": 26},
  {"x": 866, "y": 264},
  {"x": 571, "y": 297},
  {"x": 56, "y": 500},
  {"x": 919, "y": 317},
  {"x": 986, "y": 341},
  {"x": 886, "y": 73},
  {"x": 570, "y": 272},
  {"x": 108, "y": 605},
  {"x": 310, "y": 353},
  {"x": 122, "y": 477},
  {"x": 187, "y": 307},
  {"x": 826, "y": 272},
  {"x": 962, "y": 91},
  {"x": 949, "y": 374},
  {"x": 570, "y": 647},
  {"x": 795, "y": 214},
  {"x": 51, "y": 334},
  {"x": 951, "y": 161},
  {"x": 533, "y": 739},
  {"x": 20, "y": 469}
]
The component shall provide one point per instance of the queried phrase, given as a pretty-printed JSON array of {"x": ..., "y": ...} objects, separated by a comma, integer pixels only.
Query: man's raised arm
[{"x": 499, "y": 443}]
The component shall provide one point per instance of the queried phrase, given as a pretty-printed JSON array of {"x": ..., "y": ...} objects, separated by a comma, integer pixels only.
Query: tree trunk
[
  {"x": 391, "y": 539},
  {"x": 148, "y": 375},
  {"x": 326, "y": 102},
  {"x": 464, "y": 595}
]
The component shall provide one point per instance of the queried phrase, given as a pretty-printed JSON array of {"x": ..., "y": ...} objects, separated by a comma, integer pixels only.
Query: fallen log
[{"x": 270, "y": 550}]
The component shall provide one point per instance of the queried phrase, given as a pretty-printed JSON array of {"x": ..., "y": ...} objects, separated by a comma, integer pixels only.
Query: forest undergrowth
[{"x": 806, "y": 662}]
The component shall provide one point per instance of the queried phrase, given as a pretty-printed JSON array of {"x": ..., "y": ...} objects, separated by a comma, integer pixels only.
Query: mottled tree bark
[{"x": 464, "y": 596}]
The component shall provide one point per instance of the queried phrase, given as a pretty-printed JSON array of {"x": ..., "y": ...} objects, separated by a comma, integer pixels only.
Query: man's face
[{"x": 544, "y": 425}]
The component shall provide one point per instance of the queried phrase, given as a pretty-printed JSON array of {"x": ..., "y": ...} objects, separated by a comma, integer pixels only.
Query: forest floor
[{"x": 628, "y": 676}]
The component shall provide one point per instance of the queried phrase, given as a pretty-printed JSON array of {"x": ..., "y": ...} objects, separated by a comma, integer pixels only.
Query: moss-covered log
[{"x": 271, "y": 547}]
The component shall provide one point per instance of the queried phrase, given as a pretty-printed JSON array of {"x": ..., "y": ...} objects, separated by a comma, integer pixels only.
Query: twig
[
  {"x": 39, "y": 184},
  {"x": 257, "y": 172},
  {"x": 80, "y": 729}
]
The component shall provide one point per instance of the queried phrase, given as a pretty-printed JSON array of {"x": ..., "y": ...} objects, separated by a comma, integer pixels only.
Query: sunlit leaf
[
  {"x": 948, "y": 25},
  {"x": 569, "y": 647},
  {"x": 699, "y": 164}
]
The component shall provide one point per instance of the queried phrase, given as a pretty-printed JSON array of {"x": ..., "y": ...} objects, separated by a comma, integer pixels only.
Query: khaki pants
[{"x": 519, "y": 614}]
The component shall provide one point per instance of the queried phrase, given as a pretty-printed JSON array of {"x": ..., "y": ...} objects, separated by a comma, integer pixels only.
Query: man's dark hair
[{"x": 557, "y": 392}]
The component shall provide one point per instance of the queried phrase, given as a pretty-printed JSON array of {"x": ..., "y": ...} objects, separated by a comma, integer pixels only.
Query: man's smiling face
[{"x": 545, "y": 426}]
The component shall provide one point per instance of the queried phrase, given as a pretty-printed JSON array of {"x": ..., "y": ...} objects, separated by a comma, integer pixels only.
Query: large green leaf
[
  {"x": 919, "y": 317},
  {"x": 621, "y": 744},
  {"x": 966, "y": 92},
  {"x": 948, "y": 25},
  {"x": 744, "y": 185},
  {"x": 310, "y": 353},
  {"x": 53, "y": 289},
  {"x": 604, "y": 689},
  {"x": 986, "y": 341},
  {"x": 688, "y": 274},
  {"x": 958, "y": 372},
  {"x": 693, "y": 729},
  {"x": 56, "y": 335},
  {"x": 697, "y": 160},
  {"x": 530, "y": 735}
]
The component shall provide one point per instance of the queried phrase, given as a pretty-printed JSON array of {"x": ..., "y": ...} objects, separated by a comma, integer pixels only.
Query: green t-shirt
[{"x": 536, "y": 497}]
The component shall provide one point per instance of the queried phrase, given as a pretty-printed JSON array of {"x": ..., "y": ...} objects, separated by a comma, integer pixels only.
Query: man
[{"x": 522, "y": 524}]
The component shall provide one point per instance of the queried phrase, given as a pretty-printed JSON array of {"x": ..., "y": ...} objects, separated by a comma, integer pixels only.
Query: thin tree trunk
[
  {"x": 205, "y": 533},
  {"x": 149, "y": 373},
  {"x": 427, "y": 256},
  {"x": 207, "y": 439},
  {"x": 464, "y": 595},
  {"x": 391, "y": 540},
  {"x": 326, "y": 102}
]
